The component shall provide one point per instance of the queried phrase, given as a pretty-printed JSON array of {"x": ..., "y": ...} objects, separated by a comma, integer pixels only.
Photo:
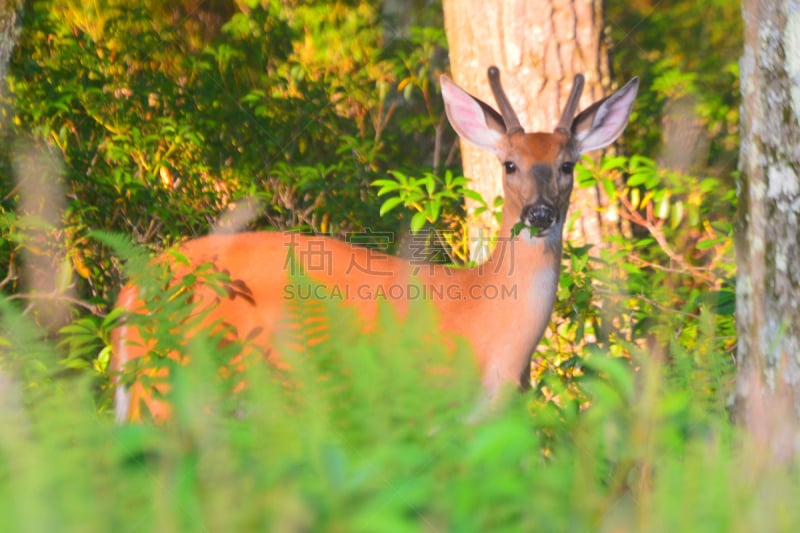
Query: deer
[{"x": 502, "y": 333}]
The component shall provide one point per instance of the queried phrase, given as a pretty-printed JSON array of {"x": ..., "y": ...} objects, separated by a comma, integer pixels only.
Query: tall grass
[{"x": 363, "y": 437}]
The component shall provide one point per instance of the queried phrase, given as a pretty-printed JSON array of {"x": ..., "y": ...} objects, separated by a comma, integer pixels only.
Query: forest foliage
[{"x": 160, "y": 121}]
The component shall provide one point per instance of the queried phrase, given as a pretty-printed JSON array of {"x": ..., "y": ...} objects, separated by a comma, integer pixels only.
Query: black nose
[{"x": 540, "y": 216}]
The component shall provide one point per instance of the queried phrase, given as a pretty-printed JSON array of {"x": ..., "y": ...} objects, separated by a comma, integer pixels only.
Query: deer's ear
[
  {"x": 474, "y": 121},
  {"x": 602, "y": 122}
]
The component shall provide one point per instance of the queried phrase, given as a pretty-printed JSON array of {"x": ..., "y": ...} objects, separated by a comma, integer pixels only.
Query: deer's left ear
[{"x": 601, "y": 123}]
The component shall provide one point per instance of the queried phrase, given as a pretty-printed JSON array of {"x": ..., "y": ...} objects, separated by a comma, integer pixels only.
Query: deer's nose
[{"x": 538, "y": 215}]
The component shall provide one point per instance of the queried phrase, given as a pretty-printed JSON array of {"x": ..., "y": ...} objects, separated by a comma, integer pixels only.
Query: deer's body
[{"x": 501, "y": 307}]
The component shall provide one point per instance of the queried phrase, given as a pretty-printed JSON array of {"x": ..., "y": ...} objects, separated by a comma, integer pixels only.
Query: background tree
[
  {"x": 9, "y": 32},
  {"x": 539, "y": 46},
  {"x": 768, "y": 233}
]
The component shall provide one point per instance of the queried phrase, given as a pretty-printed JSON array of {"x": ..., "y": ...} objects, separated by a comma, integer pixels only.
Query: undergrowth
[{"x": 363, "y": 438}]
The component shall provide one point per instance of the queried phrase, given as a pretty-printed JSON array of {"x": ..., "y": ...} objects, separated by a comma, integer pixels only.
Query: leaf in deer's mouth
[{"x": 519, "y": 226}]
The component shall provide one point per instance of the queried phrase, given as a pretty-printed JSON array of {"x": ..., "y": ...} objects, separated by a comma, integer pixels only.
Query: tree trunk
[
  {"x": 539, "y": 46},
  {"x": 9, "y": 33},
  {"x": 767, "y": 247}
]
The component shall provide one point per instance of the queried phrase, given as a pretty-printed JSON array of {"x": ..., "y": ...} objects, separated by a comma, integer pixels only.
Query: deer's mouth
[{"x": 540, "y": 216}]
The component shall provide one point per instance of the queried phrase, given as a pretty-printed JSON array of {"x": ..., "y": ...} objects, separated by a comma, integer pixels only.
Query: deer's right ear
[{"x": 474, "y": 121}]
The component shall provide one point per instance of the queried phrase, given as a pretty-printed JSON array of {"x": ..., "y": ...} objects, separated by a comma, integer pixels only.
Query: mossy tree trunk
[
  {"x": 9, "y": 33},
  {"x": 768, "y": 233},
  {"x": 539, "y": 46}
]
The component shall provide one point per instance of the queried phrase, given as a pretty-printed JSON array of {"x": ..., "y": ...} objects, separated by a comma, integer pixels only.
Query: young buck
[{"x": 502, "y": 326}]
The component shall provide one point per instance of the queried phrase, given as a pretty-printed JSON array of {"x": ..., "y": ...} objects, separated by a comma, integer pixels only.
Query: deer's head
[{"x": 537, "y": 167}]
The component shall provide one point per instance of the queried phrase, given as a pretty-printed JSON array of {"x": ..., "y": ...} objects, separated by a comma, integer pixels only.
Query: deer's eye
[
  {"x": 567, "y": 167},
  {"x": 510, "y": 167}
]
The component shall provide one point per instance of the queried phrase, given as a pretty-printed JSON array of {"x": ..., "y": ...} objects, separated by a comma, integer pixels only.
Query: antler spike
[
  {"x": 509, "y": 117},
  {"x": 572, "y": 105}
]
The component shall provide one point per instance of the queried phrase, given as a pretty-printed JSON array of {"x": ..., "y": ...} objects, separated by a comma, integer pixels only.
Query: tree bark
[
  {"x": 767, "y": 247},
  {"x": 539, "y": 46},
  {"x": 9, "y": 33}
]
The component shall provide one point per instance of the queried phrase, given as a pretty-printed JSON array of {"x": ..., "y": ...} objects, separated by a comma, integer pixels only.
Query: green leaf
[
  {"x": 475, "y": 196},
  {"x": 705, "y": 244},
  {"x": 634, "y": 180},
  {"x": 676, "y": 214},
  {"x": 385, "y": 185},
  {"x": 401, "y": 178},
  {"x": 418, "y": 221},
  {"x": 430, "y": 184},
  {"x": 609, "y": 188},
  {"x": 434, "y": 207},
  {"x": 662, "y": 207},
  {"x": 390, "y": 204},
  {"x": 613, "y": 163},
  {"x": 635, "y": 198}
]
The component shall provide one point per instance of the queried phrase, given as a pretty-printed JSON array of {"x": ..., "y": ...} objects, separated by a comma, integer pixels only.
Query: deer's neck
[
  {"x": 529, "y": 267},
  {"x": 519, "y": 287},
  {"x": 524, "y": 255}
]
